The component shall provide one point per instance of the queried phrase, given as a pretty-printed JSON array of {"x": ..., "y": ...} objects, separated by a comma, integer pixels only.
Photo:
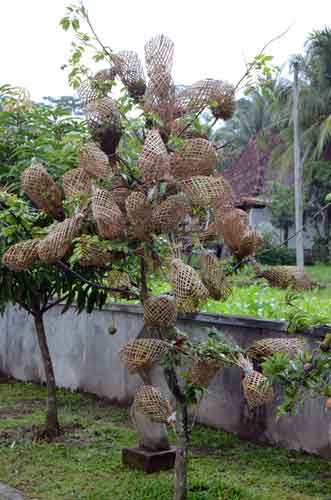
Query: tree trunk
[
  {"x": 181, "y": 451},
  {"x": 298, "y": 184},
  {"x": 52, "y": 427}
]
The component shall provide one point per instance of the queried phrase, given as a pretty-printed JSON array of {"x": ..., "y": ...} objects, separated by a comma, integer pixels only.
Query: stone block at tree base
[{"x": 149, "y": 461}]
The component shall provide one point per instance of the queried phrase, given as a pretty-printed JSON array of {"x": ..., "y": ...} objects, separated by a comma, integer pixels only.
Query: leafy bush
[{"x": 271, "y": 254}]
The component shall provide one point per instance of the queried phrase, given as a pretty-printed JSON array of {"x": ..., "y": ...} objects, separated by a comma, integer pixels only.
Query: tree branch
[{"x": 251, "y": 65}]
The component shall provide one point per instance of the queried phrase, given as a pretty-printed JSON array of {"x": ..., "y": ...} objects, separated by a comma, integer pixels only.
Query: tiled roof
[{"x": 248, "y": 174}]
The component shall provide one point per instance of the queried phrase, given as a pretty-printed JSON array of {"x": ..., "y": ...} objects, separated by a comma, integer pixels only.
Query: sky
[{"x": 212, "y": 38}]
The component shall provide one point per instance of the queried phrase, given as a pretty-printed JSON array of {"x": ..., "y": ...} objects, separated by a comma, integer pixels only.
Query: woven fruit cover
[
  {"x": 301, "y": 279},
  {"x": 170, "y": 213},
  {"x": 103, "y": 120},
  {"x": 159, "y": 54},
  {"x": 277, "y": 276},
  {"x": 265, "y": 348},
  {"x": 196, "y": 157},
  {"x": 39, "y": 186},
  {"x": 204, "y": 191},
  {"x": 121, "y": 280},
  {"x": 21, "y": 255},
  {"x": 193, "y": 99},
  {"x": 58, "y": 242},
  {"x": 104, "y": 77},
  {"x": 95, "y": 162},
  {"x": 153, "y": 160},
  {"x": 119, "y": 195},
  {"x": 77, "y": 182},
  {"x": 249, "y": 244},
  {"x": 232, "y": 226},
  {"x": 94, "y": 254},
  {"x": 202, "y": 372},
  {"x": 130, "y": 71},
  {"x": 209, "y": 234},
  {"x": 139, "y": 212},
  {"x": 159, "y": 97},
  {"x": 160, "y": 312},
  {"x": 189, "y": 290},
  {"x": 151, "y": 402},
  {"x": 257, "y": 388},
  {"x": 143, "y": 353},
  {"x": 87, "y": 92},
  {"x": 108, "y": 216},
  {"x": 222, "y": 100},
  {"x": 214, "y": 277}
]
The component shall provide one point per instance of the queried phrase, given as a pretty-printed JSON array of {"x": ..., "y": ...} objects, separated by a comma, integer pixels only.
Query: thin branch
[
  {"x": 53, "y": 303},
  {"x": 193, "y": 120},
  {"x": 108, "y": 52},
  {"x": 66, "y": 269},
  {"x": 251, "y": 65}
]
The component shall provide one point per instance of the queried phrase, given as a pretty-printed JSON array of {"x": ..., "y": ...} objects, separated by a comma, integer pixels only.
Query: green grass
[
  {"x": 86, "y": 462},
  {"x": 259, "y": 300}
]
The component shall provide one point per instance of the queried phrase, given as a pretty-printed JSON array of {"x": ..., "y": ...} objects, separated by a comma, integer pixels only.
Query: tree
[
  {"x": 26, "y": 133},
  {"x": 282, "y": 207}
]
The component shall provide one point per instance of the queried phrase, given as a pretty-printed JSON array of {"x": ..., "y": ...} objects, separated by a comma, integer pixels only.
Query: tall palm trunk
[{"x": 52, "y": 427}]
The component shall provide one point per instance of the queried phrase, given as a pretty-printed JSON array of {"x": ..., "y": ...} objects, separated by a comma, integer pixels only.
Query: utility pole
[{"x": 298, "y": 182}]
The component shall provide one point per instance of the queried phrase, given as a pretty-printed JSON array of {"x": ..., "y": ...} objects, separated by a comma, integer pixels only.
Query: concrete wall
[{"x": 86, "y": 357}]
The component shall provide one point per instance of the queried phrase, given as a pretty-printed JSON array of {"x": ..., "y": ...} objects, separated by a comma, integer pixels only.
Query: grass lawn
[
  {"x": 86, "y": 462},
  {"x": 256, "y": 298}
]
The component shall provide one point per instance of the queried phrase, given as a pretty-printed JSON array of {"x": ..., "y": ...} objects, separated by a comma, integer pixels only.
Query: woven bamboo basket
[
  {"x": 196, "y": 157},
  {"x": 189, "y": 290},
  {"x": 95, "y": 161},
  {"x": 159, "y": 54},
  {"x": 202, "y": 372},
  {"x": 130, "y": 71},
  {"x": 93, "y": 254},
  {"x": 249, "y": 244},
  {"x": 106, "y": 76},
  {"x": 121, "y": 280},
  {"x": 160, "y": 312},
  {"x": 43, "y": 191},
  {"x": 232, "y": 226},
  {"x": 170, "y": 213},
  {"x": 257, "y": 389},
  {"x": 301, "y": 279},
  {"x": 77, "y": 182},
  {"x": 222, "y": 100},
  {"x": 87, "y": 92},
  {"x": 58, "y": 242},
  {"x": 209, "y": 234},
  {"x": 154, "y": 160},
  {"x": 103, "y": 120},
  {"x": 151, "y": 402},
  {"x": 21, "y": 255},
  {"x": 159, "y": 98},
  {"x": 108, "y": 216},
  {"x": 285, "y": 277},
  {"x": 204, "y": 191},
  {"x": 119, "y": 195},
  {"x": 139, "y": 212},
  {"x": 143, "y": 353},
  {"x": 214, "y": 277},
  {"x": 226, "y": 203},
  {"x": 194, "y": 98},
  {"x": 265, "y": 348}
]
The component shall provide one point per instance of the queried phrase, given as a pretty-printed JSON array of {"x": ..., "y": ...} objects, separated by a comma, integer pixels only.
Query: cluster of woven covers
[
  {"x": 142, "y": 354},
  {"x": 122, "y": 211}
]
